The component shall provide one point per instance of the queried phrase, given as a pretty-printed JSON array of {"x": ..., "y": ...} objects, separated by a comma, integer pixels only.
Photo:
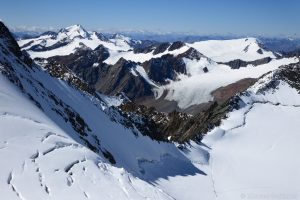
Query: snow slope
[
  {"x": 246, "y": 49},
  {"x": 197, "y": 87},
  {"x": 256, "y": 155},
  {"x": 252, "y": 154},
  {"x": 41, "y": 157}
]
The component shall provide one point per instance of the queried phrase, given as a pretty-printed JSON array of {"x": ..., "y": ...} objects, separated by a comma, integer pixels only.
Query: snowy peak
[
  {"x": 246, "y": 49},
  {"x": 74, "y": 31},
  {"x": 118, "y": 36}
]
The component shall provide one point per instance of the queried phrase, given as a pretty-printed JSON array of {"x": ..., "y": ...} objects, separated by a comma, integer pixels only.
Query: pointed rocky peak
[
  {"x": 161, "y": 48},
  {"x": 176, "y": 45},
  {"x": 74, "y": 31},
  {"x": 192, "y": 54},
  {"x": 100, "y": 36},
  {"x": 122, "y": 62}
]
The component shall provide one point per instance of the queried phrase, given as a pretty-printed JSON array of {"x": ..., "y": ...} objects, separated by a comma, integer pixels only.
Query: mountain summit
[{"x": 73, "y": 31}]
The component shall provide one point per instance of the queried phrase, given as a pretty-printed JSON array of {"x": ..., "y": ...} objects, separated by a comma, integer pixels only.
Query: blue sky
[{"x": 271, "y": 17}]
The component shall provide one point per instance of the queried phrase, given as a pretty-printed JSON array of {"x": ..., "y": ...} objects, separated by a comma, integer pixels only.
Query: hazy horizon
[{"x": 194, "y": 17}]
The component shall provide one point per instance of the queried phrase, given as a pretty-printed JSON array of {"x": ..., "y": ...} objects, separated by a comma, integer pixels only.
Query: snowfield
[
  {"x": 251, "y": 154},
  {"x": 41, "y": 157},
  {"x": 246, "y": 49}
]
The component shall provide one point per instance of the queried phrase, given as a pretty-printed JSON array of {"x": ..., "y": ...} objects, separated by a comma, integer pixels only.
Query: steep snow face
[
  {"x": 197, "y": 87},
  {"x": 121, "y": 41},
  {"x": 73, "y": 31},
  {"x": 246, "y": 49},
  {"x": 41, "y": 157}
]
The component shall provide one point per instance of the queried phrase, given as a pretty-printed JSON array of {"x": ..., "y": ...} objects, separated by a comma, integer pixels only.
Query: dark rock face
[
  {"x": 145, "y": 46},
  {"x": 58, "y": 70},
  {"x": 9, "y": 40},
  {"x": 161, "y": 48},
  {"x": 222, "y": 94},
  {"x": 101, "y": 36},
  {"x": 82, "y": 63},
  {"x": 259, "y": 51},
  {"x": 236, "y": 64},
  {"x": 10, "y": 43},
  {"x": 205, "y": 70},
  {"x": 163, "y": 68},
  {"x": 147, "y": 49},
  {"x": 177, "y": 126},
  {"x": 51, "y": 33},
  {"x": 40, "y": 48},
  {"x": 118, "y": 78},
  {"x": 288, "y": 73},
  {"x": 176, "y": 45},
  {"x": 192, "y": 54}
]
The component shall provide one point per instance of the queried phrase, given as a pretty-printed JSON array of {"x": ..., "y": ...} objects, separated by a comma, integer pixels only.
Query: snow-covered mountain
[
  {"x": 61, "y": 139},
  {"x": 246, "y": 49},
  {"x": 66, "y": 143},
  {"x": 68, "y": 40},
  {"x": 159, "y": 74}
]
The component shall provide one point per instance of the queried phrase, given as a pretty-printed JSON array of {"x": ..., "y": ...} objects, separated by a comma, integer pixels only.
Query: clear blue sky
[{"x": 271, "y": 17}]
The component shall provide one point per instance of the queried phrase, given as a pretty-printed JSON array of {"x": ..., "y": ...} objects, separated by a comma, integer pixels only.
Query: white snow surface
[
  {"x": 251, "y": 155},
  {"x": 44, "y": 154},
  {"x": 140, "y": 57},
  {"x": 76, "y": 37},
  {"x": 228, "y": 50},
  {"x": 43, "y": 162}
]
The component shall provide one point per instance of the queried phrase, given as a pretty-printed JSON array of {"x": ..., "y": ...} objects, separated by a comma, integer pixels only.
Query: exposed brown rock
[{"x": 222, "y": 94}]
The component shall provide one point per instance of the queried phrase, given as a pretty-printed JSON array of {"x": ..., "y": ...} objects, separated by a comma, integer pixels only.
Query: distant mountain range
[
  {"x": 154, "y": 73},
  {"x": 278, "y": 44}
]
